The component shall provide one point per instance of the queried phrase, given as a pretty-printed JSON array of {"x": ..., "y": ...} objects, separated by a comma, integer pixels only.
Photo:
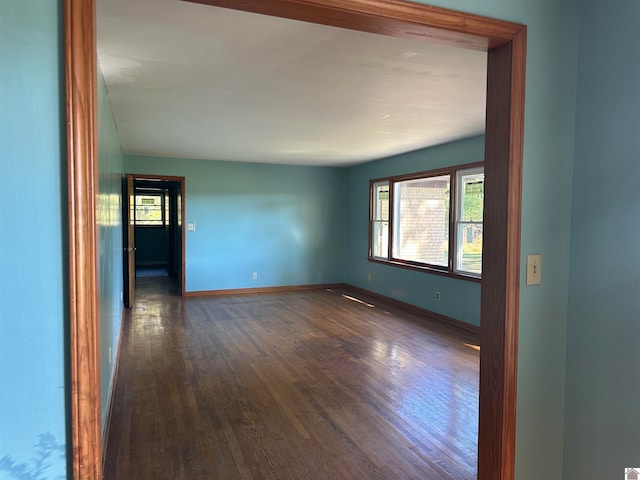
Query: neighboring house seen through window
[{"x": 429, "y": 220}]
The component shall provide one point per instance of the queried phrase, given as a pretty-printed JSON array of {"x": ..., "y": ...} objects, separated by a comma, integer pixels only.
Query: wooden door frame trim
[
  {"x": 506, "y": 44},
  {"x": 82, "y": 172},
  {"x": 183, "y": 210}
]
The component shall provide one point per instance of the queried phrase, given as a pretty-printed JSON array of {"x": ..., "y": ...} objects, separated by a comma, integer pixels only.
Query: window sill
[{"x": 423, "y": 268}]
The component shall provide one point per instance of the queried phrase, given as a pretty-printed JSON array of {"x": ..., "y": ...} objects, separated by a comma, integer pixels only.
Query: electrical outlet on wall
[
  {"x": 254, "y": 275},
  {"x": 534, "y": 269},
  {"x": 437, "y": 295}
]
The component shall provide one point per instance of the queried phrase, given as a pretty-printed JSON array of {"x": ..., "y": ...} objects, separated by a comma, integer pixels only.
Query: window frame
[
  {"x": 447, "y": 270},
  {"x": 164, "y": 205},
  {"x": 373, "y": 219},
  {"x": 458, "y": 221}
]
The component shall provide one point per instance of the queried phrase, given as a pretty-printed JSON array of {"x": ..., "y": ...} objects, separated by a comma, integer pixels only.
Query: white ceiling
[{"x": 194, "y": 81}]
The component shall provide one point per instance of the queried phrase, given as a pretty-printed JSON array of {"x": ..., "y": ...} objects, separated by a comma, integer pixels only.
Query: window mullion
[
  {"x": 392, "y": 216},
  {"x": 453, "y": 195}
]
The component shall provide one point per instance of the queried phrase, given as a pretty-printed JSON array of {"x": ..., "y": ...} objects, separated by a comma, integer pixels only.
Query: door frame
[
  {"x": 129, "y": 243},
  {"x": 505, "y": 43},
  {"x": 182, "y": 182}
]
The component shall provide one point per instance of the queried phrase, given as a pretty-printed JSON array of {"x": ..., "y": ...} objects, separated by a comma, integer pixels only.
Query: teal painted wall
[
  {"x": 459, "y": 299},
  {"x": 110, "y": 167},
  {"x": 285, "y": 223},
  {"x": 603, "y": 356},
  {"x": 33, "y": 247}
]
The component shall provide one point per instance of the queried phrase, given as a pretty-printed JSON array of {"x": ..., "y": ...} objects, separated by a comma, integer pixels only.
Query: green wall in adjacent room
[{"x": 152, "y": 247}]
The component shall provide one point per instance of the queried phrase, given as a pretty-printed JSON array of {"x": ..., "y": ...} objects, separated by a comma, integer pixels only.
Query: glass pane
[
  {"x": 380, "y": 226},
  {"x": 472, "y": 196},
  {"x": 148, "y": 210},
  {"x": 469, "y": 258},
  {"x": 166, "y": 207},
  {"x": 381, "y": 201},
  {"x": 470, "y": 215},
  {"x": 132, "y": 209},
  {"x": 421, "y": 220},
  {"x": 380, "y": 240},
  {"x": 179, "y": 209}
]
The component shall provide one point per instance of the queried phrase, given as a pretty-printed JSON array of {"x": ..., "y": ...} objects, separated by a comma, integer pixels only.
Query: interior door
[{"x": 129, "y": 242}]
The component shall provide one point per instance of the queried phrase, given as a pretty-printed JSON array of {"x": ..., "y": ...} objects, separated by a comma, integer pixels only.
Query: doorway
[
  {"x": 153, "y": 240},
  {"x": 506, "y": 46}
]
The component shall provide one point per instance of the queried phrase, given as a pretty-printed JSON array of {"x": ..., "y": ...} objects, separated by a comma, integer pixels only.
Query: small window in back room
[{"x": 150, "y": 209}]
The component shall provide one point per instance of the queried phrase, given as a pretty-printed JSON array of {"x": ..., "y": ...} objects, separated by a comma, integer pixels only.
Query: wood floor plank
[{"x": 318, "y": 384}]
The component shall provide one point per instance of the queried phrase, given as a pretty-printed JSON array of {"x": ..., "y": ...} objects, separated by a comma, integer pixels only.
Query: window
[
  {"x": 469, "y": 213},
  {"x": 380, "y": 220},
  {"x": 429, "y": 220},
  {"x": 151, "y": 208},
  {"x": 420, "y": 220}
]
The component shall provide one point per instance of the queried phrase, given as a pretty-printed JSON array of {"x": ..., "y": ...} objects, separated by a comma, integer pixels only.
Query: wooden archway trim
[
  {"x": 505, "y": 43},
  {"x": 395, "y": 18},
  {"x": 499, "y": 309},
  {"x": 82, "y": 165}
]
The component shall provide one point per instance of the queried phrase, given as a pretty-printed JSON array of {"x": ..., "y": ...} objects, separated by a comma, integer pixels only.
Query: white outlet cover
[{"x": 534, "y": 269}]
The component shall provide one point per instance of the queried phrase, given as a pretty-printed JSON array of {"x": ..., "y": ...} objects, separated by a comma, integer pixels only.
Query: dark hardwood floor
[{"x": 303, "y": 385}]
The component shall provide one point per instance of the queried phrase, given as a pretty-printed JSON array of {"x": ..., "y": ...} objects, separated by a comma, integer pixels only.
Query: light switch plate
[
  {"x": 534, "y": 269},
  {"x": 191, "y": 227}
]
